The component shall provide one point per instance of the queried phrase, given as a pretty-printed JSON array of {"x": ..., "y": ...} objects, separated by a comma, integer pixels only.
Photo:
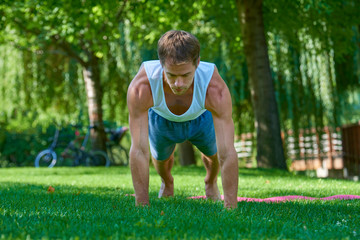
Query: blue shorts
[{"x": 164, "y": 134}]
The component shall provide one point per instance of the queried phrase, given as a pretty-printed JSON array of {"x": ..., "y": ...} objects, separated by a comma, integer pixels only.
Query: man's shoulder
[
  {"x": 216, "y": 84},
  {"x": 217, "y": 94},
  {"x": 139, "y": 91}
]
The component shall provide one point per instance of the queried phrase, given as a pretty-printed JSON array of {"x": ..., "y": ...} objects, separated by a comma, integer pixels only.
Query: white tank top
[{"x": 203, "y": 74}]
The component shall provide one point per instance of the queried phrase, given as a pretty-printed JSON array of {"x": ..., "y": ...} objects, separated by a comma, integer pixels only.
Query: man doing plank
[{"x": 180, "y": 98}]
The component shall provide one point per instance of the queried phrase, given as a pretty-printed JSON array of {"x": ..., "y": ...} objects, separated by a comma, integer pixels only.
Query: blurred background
[{"x": 70, "y": 62}]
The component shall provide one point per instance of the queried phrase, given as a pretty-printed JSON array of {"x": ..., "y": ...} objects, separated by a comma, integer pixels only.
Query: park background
[
  {"x": 292, "y": 67},
  {"x": 293, "y": 71}
]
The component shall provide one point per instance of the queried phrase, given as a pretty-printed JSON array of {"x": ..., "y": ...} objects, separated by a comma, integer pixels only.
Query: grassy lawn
[{"x": 94, "y": 203}]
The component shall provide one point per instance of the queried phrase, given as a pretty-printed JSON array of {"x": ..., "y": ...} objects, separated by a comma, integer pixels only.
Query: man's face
[{"x": 179, "y": 77}]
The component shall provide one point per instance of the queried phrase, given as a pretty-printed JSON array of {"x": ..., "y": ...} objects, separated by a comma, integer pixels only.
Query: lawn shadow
[{"x": 102, "y": 212}]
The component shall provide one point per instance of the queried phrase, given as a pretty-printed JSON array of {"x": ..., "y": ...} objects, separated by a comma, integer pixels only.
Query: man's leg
[
  {"x": 212, "y": 169},
  {"x": 164, "y": 170}
]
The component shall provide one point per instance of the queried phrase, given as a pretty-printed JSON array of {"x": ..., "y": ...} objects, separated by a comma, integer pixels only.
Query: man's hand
[
  {"x": 140, "y": 202},
  {"x": 229, "y": 170}
]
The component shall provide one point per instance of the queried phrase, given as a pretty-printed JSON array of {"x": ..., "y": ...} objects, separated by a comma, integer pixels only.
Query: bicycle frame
[
  {"x": 116, "y": 152},
  {"x": 48, "y": 157},
  {"x": 81, "y": 154},
  {"x": 55, "y": 140},
  {"x": 86, "y": 138}
]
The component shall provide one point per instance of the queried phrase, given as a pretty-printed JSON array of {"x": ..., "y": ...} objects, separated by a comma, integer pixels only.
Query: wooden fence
[
  {"x": 327, "y": 150},
  {"x": 315, "y": 149},
  {"x": 351, "y": 149}
]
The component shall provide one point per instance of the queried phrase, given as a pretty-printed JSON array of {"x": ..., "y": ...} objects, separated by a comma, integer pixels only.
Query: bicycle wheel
[
  {"x": 98, "y": 158},
  {"x": 119, "y": 155},
  {"x": 46, "y": 158}
]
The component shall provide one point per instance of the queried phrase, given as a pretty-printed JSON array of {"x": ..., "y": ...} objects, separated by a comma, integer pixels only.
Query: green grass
[{"x": 93, "y": 203}]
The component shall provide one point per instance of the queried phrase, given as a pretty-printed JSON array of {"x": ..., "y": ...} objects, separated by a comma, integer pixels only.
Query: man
[{"x": 175, "y": 99}]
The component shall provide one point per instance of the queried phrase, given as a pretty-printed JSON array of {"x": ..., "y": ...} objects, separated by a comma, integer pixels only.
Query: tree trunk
[
  {"x": 270, "y": 153},
  {"x": 94, "y": 94},
  {"x": 186, "y": 154}
]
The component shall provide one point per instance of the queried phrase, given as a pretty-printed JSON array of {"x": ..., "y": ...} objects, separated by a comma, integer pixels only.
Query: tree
[
  {"x": 186, "y": 153},
  {"x": 270, "y": 151},
  {"x": 80, "y": 30},
  {"x": 313, "y": 49}
]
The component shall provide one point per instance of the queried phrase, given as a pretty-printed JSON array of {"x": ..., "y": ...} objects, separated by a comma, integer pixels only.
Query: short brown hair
[{"x": 177, "y": 46}]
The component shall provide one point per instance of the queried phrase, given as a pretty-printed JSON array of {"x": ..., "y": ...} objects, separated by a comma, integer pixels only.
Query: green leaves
[
  {"x": 121, "y": 34},
  {"x": 85, "y": 24}
]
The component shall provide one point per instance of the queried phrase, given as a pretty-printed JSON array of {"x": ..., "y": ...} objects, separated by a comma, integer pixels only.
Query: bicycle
[
  {"x": 78, "y": 155},
  {"x": 118, "y": 154}
]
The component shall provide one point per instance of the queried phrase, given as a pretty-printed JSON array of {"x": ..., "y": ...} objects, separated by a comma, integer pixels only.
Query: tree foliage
[{"x": 313, "y": 47}]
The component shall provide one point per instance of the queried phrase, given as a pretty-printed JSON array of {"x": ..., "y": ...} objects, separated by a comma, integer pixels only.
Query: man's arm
[
  {"x": 218, "y": 102},
  {"x": 139, "y": 100}
]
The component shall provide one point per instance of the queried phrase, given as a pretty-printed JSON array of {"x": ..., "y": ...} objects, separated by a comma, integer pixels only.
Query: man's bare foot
[
  {"x": 212, "y": 192},
  {"x": 166, "y": 190}
]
